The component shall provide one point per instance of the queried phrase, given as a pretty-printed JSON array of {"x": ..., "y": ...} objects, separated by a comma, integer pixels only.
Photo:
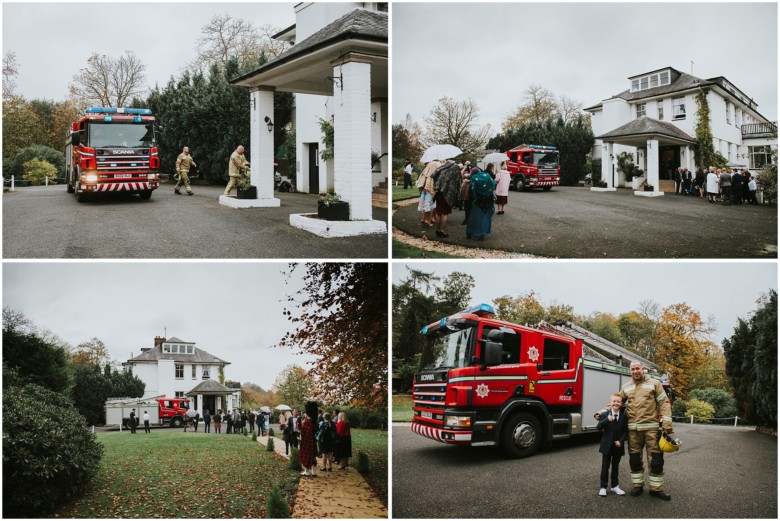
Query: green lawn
[
  {"x": 402, "y": 408},
  {"x": 374, "y": 444},
  {"x": 399, "y": 193},
  {"x": 169, "y": 473},
  {"x": 405, "y": 251}
]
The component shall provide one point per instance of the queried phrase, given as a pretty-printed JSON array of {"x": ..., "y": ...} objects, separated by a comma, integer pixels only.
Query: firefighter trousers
[
  {"x": 231, "y": 184},
  {"x": 647, "y": 440},
  {"x": 184, "y": 180}
]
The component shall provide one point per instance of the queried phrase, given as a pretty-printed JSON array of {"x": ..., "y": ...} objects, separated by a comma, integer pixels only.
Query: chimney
[{"x": 158, "y": 341}]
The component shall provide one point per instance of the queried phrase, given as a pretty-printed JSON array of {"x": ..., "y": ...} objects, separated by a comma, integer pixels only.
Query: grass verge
[
  {"x": 400, "y": 193},
  {"x": 405, "y": 251},
  {"x": 402, "y": 408},
  {"x": 168, "y": 474}
]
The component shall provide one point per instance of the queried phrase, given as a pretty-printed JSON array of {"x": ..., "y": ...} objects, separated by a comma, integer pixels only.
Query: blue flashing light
[
  {"x": 137, "y": 119},
  {"x": 542, "y": 147},
  {"x": 425, "y": 330},
  {"x": 481, "y": 310},
  {"x": 112, "y": 110},
  {"x": 101, "y": 110},
  {"x": 107, "y": 119}
]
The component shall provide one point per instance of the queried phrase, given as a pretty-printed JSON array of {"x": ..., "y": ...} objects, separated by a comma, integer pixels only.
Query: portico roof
[
  {"x": 307, "y": 66},
  {"x": 210, "y": 388},
  {"x": 637, "y": 132}
]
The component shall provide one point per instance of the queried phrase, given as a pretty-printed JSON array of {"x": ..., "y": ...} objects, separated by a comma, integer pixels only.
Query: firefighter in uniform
[
  {"x": 183, "y": 164},
  {"x": 646, "y": 401},
  {"x": 237, "y": 165}
]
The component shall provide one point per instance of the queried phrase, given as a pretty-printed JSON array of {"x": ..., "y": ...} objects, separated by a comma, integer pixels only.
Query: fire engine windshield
[
  {"x": 545, "y": 158},
  {"x": 452, "y": 348},
  {"x": 131, "y": 135}
]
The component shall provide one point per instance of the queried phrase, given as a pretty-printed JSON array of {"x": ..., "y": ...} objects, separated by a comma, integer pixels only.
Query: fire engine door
[
  {"x": 557, "y": 372},
  {"x": 494, "y": 384}
]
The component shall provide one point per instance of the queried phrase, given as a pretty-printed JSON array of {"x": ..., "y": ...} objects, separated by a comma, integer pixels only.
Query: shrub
[
  {"x": 365, "y": 418},
  {"x": 43, "y": 153},
  {"x": 724, "y": 404},
  {"x": 37, "y": 171},
  {"x": 276, "y": 506},
  {"x": 270, "y": 447},
  {"x": 678, "y": 409},
  {"x": 294, "y": 464},
  {"x": 271, "y": 433},
  {"x": 245, "y": 433},
  {"x": 362, "y": 462},
  {"x": 702, "y": 411},
  {"x": 254, "y": 436},
  {"x": 48, "y": 460}
]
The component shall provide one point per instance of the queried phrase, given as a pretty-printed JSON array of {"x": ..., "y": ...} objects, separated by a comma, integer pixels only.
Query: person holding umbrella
[
  {"x": 426, "y": 206},
  {"x": 481, "y": 215},
  {"x": 503, "y": 179},
  {"x": 446, "y": 181}
]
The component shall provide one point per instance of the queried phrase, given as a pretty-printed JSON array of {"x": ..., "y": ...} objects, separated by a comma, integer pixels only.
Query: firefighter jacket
[
  {"x": 184, "y": 162},
  {"x": 237, "y": 163},
  {"x": 645, "y": 401}
]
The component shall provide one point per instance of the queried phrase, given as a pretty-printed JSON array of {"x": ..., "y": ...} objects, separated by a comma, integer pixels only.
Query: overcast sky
[
  {"x": 725, "y": 291},
  {"x": 52, "y": 41},
  {"x": 586, "y": 51},
  {"x": 231, "y": 310}
]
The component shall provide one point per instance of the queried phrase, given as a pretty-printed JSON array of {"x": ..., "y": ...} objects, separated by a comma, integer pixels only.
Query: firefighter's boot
[{"x": 661, "y": 494}]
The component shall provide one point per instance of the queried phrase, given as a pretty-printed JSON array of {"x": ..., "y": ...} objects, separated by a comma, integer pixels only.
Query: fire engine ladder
[{"x": 602, "y": 346}]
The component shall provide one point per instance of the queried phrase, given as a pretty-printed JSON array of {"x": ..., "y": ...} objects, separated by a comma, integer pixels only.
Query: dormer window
[
  {"x": 650, "y": 81},
  {"x": 180, "y": 349}
]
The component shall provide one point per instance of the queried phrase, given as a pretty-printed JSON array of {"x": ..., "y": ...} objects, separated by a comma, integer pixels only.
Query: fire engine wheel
[
  {"x": 519, "y": 183},
  {"x": 177, "y": 422},
  {"x": 547, "y": 188},
  {"x": 146, "y": 194},
  {"x": 80, "y": 196},
  {"x": 69, "y": 187},
  {"x": 522, "y": 436}
]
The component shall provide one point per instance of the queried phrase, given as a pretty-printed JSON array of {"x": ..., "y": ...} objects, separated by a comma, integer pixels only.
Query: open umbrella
[
  {"x": 283, "y": 407},
  {"x": 732, "y": 164},
  {"x": 265, "y": 408},
  {"x": 440, "y": 152},
  {"x": 496, "y": 158}
]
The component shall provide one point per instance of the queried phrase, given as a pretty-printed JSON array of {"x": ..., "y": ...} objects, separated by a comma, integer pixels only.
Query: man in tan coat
[
  {"x": 236, "y": 167},
  {"x": 183, "y": 164}
]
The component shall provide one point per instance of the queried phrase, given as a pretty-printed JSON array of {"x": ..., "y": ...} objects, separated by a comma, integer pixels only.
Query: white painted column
[
  {"x": 200, "y": 405},
  {"x": 606, "y": 164},
  {"x": 262, "y": 142},
  {"x": 652, "y": 163},
  {"x": 352, "y": 135},
  {"x": 687, "y": 158}
]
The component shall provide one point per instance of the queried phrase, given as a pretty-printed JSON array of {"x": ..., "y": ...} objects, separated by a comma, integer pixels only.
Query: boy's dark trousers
[{"x": 614, "y": 458}]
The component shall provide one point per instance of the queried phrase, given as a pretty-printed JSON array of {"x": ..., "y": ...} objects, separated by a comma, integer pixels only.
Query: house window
[
  {"x": 678, "y": 108},
  {"x": 728, "y": 112},
  {"x": 759, "y": 156},
  {"x": 653, "y": 81},
  {"x": 661, "y": 110},
  {"x": 194, "y": 369},
  {"x": 634, "y": 85},
  {"x": 665, "y": 78},
  {"x": 166, "y": 348},
  {"x": 179, "y": 394},
  {"x": 179, "y": 371},
  {"x": 206, "y": 373},
  {"x": 174, "y": 349},
  {"x": 641, "y": 109},
  {"x": 643, "y": 83}
]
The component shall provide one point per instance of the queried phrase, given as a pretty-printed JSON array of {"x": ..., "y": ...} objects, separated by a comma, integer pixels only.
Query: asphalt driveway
[
  {"x": 47, "y": 222},
  {"x": 720, "y": 472},
  {"x": 573, "y": 222}
]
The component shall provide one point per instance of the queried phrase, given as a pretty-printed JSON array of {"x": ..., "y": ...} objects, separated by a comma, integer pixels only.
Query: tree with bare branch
[
  {"x": 224, "y": 37},
  {"x": 10, "y": 71},
  {"x": 456, "y": 123},
  {"x": 108, "y": 81}
]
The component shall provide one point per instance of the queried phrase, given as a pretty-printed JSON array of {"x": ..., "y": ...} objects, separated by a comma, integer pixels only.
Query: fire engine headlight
[
  {"x": 457, "y": 421},
  {"x": 151, "y": 177},
  {"x": 89, "y": 178}
]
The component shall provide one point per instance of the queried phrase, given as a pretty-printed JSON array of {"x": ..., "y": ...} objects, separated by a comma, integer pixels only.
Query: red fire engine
[
  {"x": 162, "y": 410},
  {"x": 534, "y": 166},
  {"x": 496, "y": 383},
  {"x": 112, "y": 150}
]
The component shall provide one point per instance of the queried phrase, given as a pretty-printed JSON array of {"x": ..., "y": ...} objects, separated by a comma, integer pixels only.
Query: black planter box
[
  {"x": 249, "y": 193},
  {"x": 649, "y": 189},
  {"x": 335, "y": 212}
]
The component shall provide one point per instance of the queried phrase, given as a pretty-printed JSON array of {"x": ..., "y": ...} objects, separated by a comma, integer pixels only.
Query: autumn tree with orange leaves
[
  {"x": 341, "y": 317},
  {"x": 682, "y": 345}
]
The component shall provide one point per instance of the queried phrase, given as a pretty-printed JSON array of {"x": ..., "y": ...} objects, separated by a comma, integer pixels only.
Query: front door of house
[
  {"x": 314, "y": 168},
  {"x": 668, "y": 161}
]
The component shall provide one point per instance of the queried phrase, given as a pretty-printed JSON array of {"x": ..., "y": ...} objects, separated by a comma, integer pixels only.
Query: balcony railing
[{"x": 753, "y": 129}]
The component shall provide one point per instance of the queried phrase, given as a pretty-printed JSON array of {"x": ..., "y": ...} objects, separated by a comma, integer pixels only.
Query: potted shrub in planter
[
  {"x": 648, "y": 187},
  {"x": 245, "y": 188},
  {"x": 331, "y": 208}
]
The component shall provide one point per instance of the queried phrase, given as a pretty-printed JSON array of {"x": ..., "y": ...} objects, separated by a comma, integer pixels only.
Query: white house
[
  {"x": 655, "y": 119},
  {"x": 176, "y": 368},
  {"x": 338, "y": 69}
]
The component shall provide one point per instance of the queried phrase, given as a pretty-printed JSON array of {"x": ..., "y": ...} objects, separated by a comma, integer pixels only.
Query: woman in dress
[
  {"x": 325, "y": 435},
  {"x": 712, "y": 185},
  {"x": 308, "y": 446},
  {"x": 502, "y": 187},
  {"x": 345, "y": 441},
  {"x": 425, "y": 185},
  {"x": 284, "y": 421}
]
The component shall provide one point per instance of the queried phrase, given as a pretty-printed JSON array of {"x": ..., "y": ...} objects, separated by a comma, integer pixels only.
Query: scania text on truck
[
  {"x": 112, "y": 150},
  {"x": 162, "y": 411},
  {"x": 534, "y": 166},
  {"x": 490, "y": 382}
]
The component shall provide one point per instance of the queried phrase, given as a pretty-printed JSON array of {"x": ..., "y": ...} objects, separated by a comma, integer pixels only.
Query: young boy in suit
[{"x": 614, "y": 432}]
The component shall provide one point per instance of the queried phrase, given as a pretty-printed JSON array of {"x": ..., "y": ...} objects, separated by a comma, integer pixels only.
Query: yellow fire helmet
[{"x": 668, "y": 444}]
